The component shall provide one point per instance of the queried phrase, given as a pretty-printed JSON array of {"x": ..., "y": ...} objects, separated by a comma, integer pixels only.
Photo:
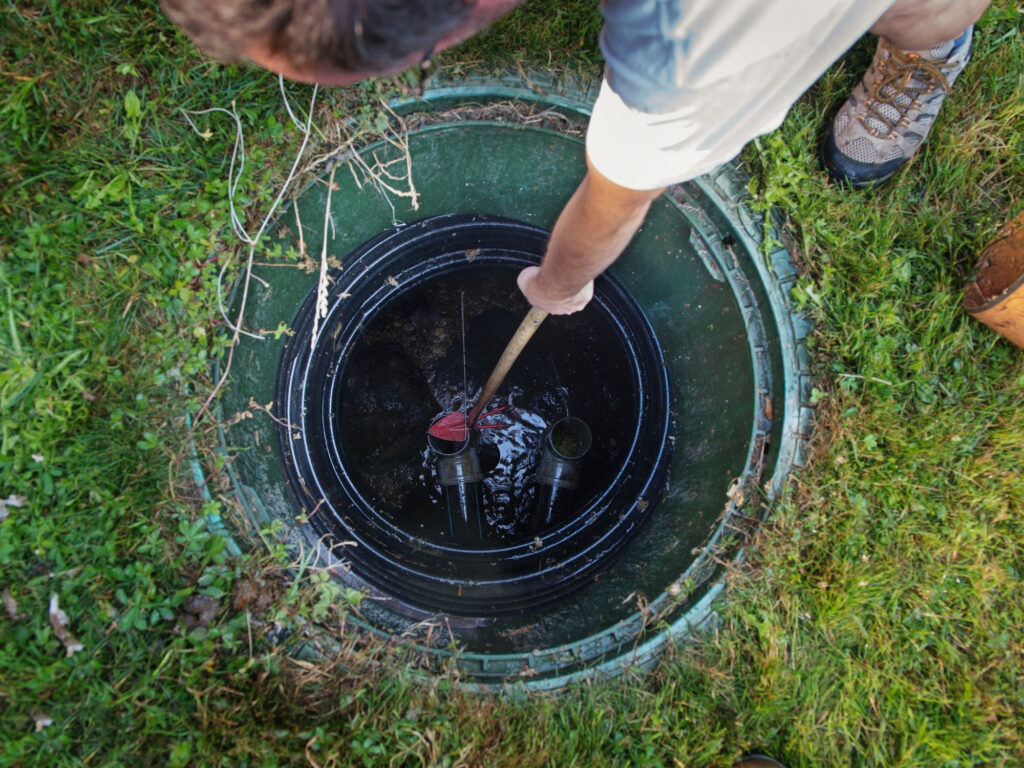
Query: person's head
[{"x": 331, "y": 41}]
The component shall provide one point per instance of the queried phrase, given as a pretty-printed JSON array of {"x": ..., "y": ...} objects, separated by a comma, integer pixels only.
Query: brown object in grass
[{"x": 997, "y": 296}]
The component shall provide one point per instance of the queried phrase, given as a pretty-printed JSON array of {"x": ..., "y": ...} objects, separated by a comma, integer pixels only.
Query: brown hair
[{"x": 355, "y": 35}]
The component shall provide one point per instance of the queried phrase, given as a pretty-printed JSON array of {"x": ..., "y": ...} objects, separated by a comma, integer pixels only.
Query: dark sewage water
[{"x": 428, "y": 353}]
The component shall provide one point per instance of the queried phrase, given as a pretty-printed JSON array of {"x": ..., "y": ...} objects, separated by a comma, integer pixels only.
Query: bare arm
[{"x": 592, "y": 231}]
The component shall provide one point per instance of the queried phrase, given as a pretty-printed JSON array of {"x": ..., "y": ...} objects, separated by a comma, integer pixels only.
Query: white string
[
  {"x": 237, "y": 151},
  {"x": 238, "y": 155},
  {"x": 237, "y": 326},
  {"x": 287, "y": 104},
  {"x": 465, "y": 378}
]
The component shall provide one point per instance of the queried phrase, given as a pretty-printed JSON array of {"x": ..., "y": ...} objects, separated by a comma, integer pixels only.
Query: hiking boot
[{"x": 891, "y": 110}]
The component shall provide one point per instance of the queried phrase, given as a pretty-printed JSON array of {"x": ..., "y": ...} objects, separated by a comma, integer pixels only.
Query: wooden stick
[{"x": 515, "y": 345}]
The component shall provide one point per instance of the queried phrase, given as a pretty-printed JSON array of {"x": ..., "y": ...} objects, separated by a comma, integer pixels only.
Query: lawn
[{"x": 877, "y": 618}]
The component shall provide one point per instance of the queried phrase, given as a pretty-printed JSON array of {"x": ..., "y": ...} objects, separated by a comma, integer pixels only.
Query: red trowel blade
[{"x": 453, "y": 427}]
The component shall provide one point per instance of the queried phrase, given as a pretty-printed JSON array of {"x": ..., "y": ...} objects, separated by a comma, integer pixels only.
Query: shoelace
[{"x": 896, "y": 88}]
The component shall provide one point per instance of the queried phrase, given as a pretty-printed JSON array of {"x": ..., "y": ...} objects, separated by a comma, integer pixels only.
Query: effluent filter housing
[{"x": 587, "y": 523}]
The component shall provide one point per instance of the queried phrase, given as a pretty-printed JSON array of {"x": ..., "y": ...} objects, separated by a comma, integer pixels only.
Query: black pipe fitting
[
  {"x": 458, "y": 471},
  {"x": 562, "y": 446}
]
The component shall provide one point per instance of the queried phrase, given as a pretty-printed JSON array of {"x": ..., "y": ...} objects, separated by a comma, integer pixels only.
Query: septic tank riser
[{"x": 716, "y": 231}]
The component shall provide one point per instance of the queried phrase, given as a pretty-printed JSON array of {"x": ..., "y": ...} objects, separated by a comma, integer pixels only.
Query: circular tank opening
[
  {"x": 688, "y": 371},
  {"x": 385, "y": 364}
]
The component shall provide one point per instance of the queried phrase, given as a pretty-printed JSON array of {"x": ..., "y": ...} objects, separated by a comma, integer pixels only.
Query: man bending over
[{"x": 687, "y": 84}]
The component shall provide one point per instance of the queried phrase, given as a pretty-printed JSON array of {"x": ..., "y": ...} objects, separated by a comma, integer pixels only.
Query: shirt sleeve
[
  {"x": 660, "y": 52},
  {"x": 645, "y": 44}
]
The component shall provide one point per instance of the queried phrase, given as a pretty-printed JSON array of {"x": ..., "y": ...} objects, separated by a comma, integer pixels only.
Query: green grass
[
  {"x": 877, "y": 621},
  {"x": 536, "y": 35}
]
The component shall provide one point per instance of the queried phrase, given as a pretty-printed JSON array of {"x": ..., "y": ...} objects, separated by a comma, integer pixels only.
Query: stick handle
[{"x": 515, "y": 345}]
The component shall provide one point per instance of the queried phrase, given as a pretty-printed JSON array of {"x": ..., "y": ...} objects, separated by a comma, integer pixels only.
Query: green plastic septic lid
[{"x": 731, "y": 343}]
